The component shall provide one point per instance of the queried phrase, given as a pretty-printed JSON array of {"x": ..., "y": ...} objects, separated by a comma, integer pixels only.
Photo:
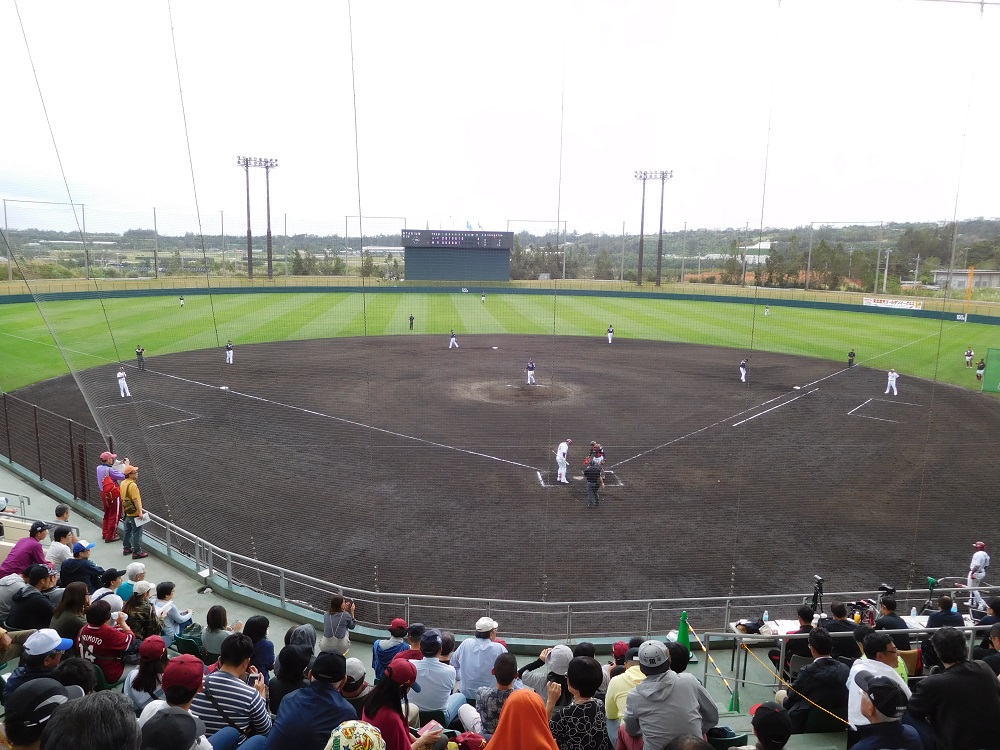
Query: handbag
[
  {"x": 470, "y": 741},
  {"x": 244, "y": 734}
]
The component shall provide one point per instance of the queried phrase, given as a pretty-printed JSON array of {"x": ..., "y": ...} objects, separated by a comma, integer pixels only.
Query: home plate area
[{"x": 548, "y": 479}]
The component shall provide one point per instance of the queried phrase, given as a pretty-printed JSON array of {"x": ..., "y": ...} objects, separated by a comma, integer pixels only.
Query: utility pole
[
  {"x": 156, "y": 247},
  {"x": 684, "y": 249},
  {"x": 885, "y": 277}
]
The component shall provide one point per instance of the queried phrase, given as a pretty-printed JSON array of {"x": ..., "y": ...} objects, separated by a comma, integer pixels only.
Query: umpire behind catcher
[{"x": 595, "y": 482}]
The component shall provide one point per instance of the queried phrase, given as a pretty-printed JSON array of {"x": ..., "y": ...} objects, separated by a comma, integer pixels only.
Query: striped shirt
[{"x": 242, "y": 703}]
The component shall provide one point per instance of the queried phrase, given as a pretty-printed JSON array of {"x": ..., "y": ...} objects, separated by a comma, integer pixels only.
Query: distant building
[{"x": 960, "y": 279}]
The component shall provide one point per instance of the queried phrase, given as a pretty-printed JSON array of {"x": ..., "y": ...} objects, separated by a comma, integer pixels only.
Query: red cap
[
  {"x": 620, "y": 649},
  {"x": 398, "y": 624},
  {"x": 186, "y": 670},
  {"x": 980, "y": 545},
  {"x": 403, "y": 672}
]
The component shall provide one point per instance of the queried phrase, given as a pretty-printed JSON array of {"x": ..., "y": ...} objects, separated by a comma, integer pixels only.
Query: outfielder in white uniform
[
  {"x": 122, "y": 385},
  {"x": 611, "y": 333},
  {"x": 530, "y": 369},
  {"x": 229, "y": 352},
  {"x": 977, "y": 572},
  {"x": 561, "y": 459},
  {"x": 453, "y": 342},
  {"x": 182, "y": 300},
  {"x": 891, "y": 385}
]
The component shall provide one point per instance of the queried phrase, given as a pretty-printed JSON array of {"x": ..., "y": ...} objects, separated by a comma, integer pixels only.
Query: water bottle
[
  {"x": 913, "y": 612},
  {"x": 764, "y": 616},
  {"x": 954, "y": 606}
]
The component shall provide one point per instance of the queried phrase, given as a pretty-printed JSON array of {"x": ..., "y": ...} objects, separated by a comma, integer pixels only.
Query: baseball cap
[
  {"x": 653, "y": 658},
  {"x": 38, "y": 572},
  {"x": 108, "y": 456},
  {"x": 329, "y": 667},
  {"x": 37, "y": 526},
  {"x": 619, "y": 649},
  {"x": 45, "y": 641},
  {"x": 128, "y": 469},
  {"x": 980, "y": 545},
  {"x": 486, "y": 624},
  {"x": 569, "y": 441},
  {"x": 110, "y": 575},
  {"x": 82, "y": 546},
  {"x": 559, "y": 658},
  {"x": 884, "y": 692},
  {"x": 152, "y": 648},
  {"x": 357, "y": 735},
  {"x": 34, "y": 701},
  {"x": 170, "y": 729},
  {"x": 632, "y": 654},
  {"x": 141, "y": 587},
  {"x": 398, "y": 625},
  {"x": 186, "y": 670},
  {"x": 403, "y": 672},
  {"x": 772, "y": 724},
  {"x": 355, "y": 670},
  {"x": 430, "y": 642},
  {"x": 416, "y": 630}
]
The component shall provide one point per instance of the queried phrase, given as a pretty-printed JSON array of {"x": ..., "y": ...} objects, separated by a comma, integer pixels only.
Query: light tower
[{"x": 268, "y": 164}]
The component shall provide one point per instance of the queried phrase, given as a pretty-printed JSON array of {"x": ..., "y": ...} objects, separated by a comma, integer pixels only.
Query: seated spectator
[
  {"x": 76, "y": 671},
  {"x": 388, "y": 706},
  {"x": 413, "y": 635},
  {"x": 891, "y": 621},
  {"x": 30, "y": 608},
  {"x": 61, "y": 548},
  {"x": 436, "y": 680},
  {"x": 172, "y": 729},
  {"x": 142, "y": 685},
  {"x": 174, "y": 621},
  {"x": 141, "y": 614},
  {"x": 308, "y": 716},
  {"x": 883, "y": 704},
  {"x": 181, "y": 682},
  {"x": 263, "y": 649},
  {"x": 944, "y": 617},
  {"x": 483, "y": 717},
  {"x": 357, "y": 688},
  {"x": 62, "y": 513},
  {"x": 217, "y": 630},
  {"x": 618, "y": 690},
  {"x": 245, "y": 706},
  {"x": 992, "y": 658},
  {"x": 103, "y": 644},
  {"x": 524, "y": 723},
  {"x": 823, "y": 683},
  {"x": 300, "y": 635},
  {"x": 798, "y": 646},
  {"x": 881, "y": 658},
  {"x": 665, "y": 706},
  {"x": 43, "y": 650},
  {"x": 448, "y": 644},
  {"x": 26, "y": 551},
  {"x": 962, "y": 703},
  {"x": 81, "y": 568},
  {"x": 28, "y": 713},
  {"x": 384, "y": 650},
  {"x": 770, "y": 725},
  {"x": 99, "y": 721},
  {"x": 338, "y": 621},
  {"x": 356, "y": 735},
  {"x": 583, "y": 724},
  {"x": 473, "y": 660},
  {"x": 110, "y": 581},
  {"x": 557, "y": 660},
  {"x": 289, "y": 676},
  {"x": 134, "y": 572},
  {"x": 10, "y": 585},
  {"x": 843, "y": 647},
  {"x": 68, "y": 616}
]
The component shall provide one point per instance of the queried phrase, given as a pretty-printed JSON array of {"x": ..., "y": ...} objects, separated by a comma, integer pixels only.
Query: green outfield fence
[{"x": 991, "y": 376}]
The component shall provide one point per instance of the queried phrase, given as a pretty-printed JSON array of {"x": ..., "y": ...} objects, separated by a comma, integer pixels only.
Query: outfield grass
[{"x": 95, "y": 332}]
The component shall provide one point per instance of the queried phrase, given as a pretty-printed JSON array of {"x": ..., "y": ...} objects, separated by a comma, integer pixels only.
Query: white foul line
[
  {"x": 865, "y": 416},
  {"x": 859, "y": 406},
  {"x": 176, "y": 421},
  {"x": 775, "y": 407}
]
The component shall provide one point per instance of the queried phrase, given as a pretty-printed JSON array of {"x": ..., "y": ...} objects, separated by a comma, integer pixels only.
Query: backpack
[{"x": 110, "y": 492}]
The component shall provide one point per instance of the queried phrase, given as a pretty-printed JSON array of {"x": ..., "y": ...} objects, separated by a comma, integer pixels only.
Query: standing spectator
[
  {"x": 891, "y": 382},
  {"x": 217, "y": 630},
  {"x": 523, "y": 724},
  {"x": 962, "y": 703},
  {"x": 388, "y": 705},
  {"x": 582, "y": 724},
  {"x": 977, "y": 572},
  {"x": 473, "y": 661},
  {"x": 944, "y": 617},
  {"x": 289, "y": 675},
  {"x": 134, "y": 572},
  {"x": 81, "y": 568},
  {"x": 61, "y": 548},
  {"x": 142, "y": 685},
  {"x": 562, "y": 460},
  {"x": 28, "y": 713},
  {"x": 263, "y": 650},
  {"x": 891, "y": 621},
  {"x": 822, "y": 684},
  {"x": 103, "y": 644},
  {"x": 483, "y": 717},
  {"x": 308, "y": 716},
  {"x": 31, "y": 609},
  {"x": 841, "y": 623},
  {"x": 357, "y": 688},
  {"x": 132, "y": 505},
  {"x": 174, "y": 621},
  {"x": 141, "y": 614},
  {"x": 384, "y": 650},
  {"x": 436, "y": 680},
  {"x": 26, "y": 551},
  {"x": 69, "y": 615},
  {"x": 244, "y": 703},
  {"x": 140, "y": 358},
  {"x": 665, "y": 706},
  {"x": 883, "y": 703},
  {"x": 337, "y": 621},
  {"x": 618, "y": 690},
  {"x": 110, "y": 496},
  {"x": 43, "y": 650}
]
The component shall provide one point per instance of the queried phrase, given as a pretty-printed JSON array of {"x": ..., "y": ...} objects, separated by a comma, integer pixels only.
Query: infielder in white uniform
[
  {"x": 743, "y": 371},
  {"x": 611, "y": 333},
  {"x": 453, "y": 343},
  {"x": 229, "y": 352},
  {"x": 122, "y": 385},
  {"x": 969, "y": 354},
  {"x": 561, "y": 459},
  {"x": 530, "y": 369},
  {"x": 182, "y": 300},
  {"x": 977, "y": 572},
  {"x": 891, "y": 385}
]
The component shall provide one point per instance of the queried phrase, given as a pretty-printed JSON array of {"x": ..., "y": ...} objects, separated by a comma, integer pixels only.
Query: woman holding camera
[{"x": 336, "y": 624}]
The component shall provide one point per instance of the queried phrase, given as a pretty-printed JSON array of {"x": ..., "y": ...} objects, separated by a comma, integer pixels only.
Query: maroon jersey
[{"x": 104, "y": 646}]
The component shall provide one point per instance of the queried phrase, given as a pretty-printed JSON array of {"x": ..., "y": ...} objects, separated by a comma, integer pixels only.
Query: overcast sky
[{"x": 856, "y": 110}]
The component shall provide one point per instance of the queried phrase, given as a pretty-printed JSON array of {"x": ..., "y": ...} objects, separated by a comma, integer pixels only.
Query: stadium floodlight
[
  {"x": 662, "y": 176},
  {"x": 268, "y": 164}
]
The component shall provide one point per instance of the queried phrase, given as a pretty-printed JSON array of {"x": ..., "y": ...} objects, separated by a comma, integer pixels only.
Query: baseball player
[
  {"x": 562, "y": 452},
  {"x": 484, "y": 296},
  {"x": 140, "y": 361},
  {"x": 891, "y": 385},
  {"x": 980, "y": 369},
  {"x": 611, "y": 333},
  {"x": 977, "y": 572},
  {"x": 530, "y": 369},
  {"x": 411, "y": 321},
  {"x": 767, "y": 310},
  {"x": 850, "y": 359},
  {"x": 453, "y": 343},
  {"x": 182, "y": 300},
  {"x": 122, "y": 385},
  {"x": 229, "y": 352},
  {"x": 744, "y": 367},
  {"x": 969, "y": 354}
]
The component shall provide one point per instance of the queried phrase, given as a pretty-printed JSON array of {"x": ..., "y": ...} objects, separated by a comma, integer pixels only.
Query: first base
[
  {"x": 797, "y": 387},
  {"x": 223, "y": 387},
  {"x": 496, "y": 347}
]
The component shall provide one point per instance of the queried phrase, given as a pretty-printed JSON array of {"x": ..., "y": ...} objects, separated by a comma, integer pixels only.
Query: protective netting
[{"x": 352, "y": 439}]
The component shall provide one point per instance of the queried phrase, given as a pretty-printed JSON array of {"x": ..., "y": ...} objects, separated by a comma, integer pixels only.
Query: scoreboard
[
  {"x": 460, "y": 239},
  {"x": 454, "y": 255}
]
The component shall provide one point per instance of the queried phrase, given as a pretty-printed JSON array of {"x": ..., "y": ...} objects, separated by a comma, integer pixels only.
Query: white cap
[{"x": 486, "y": 624}]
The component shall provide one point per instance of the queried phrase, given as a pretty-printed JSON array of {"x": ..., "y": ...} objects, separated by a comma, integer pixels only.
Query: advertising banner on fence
[{"x": 902, "y": 304}]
